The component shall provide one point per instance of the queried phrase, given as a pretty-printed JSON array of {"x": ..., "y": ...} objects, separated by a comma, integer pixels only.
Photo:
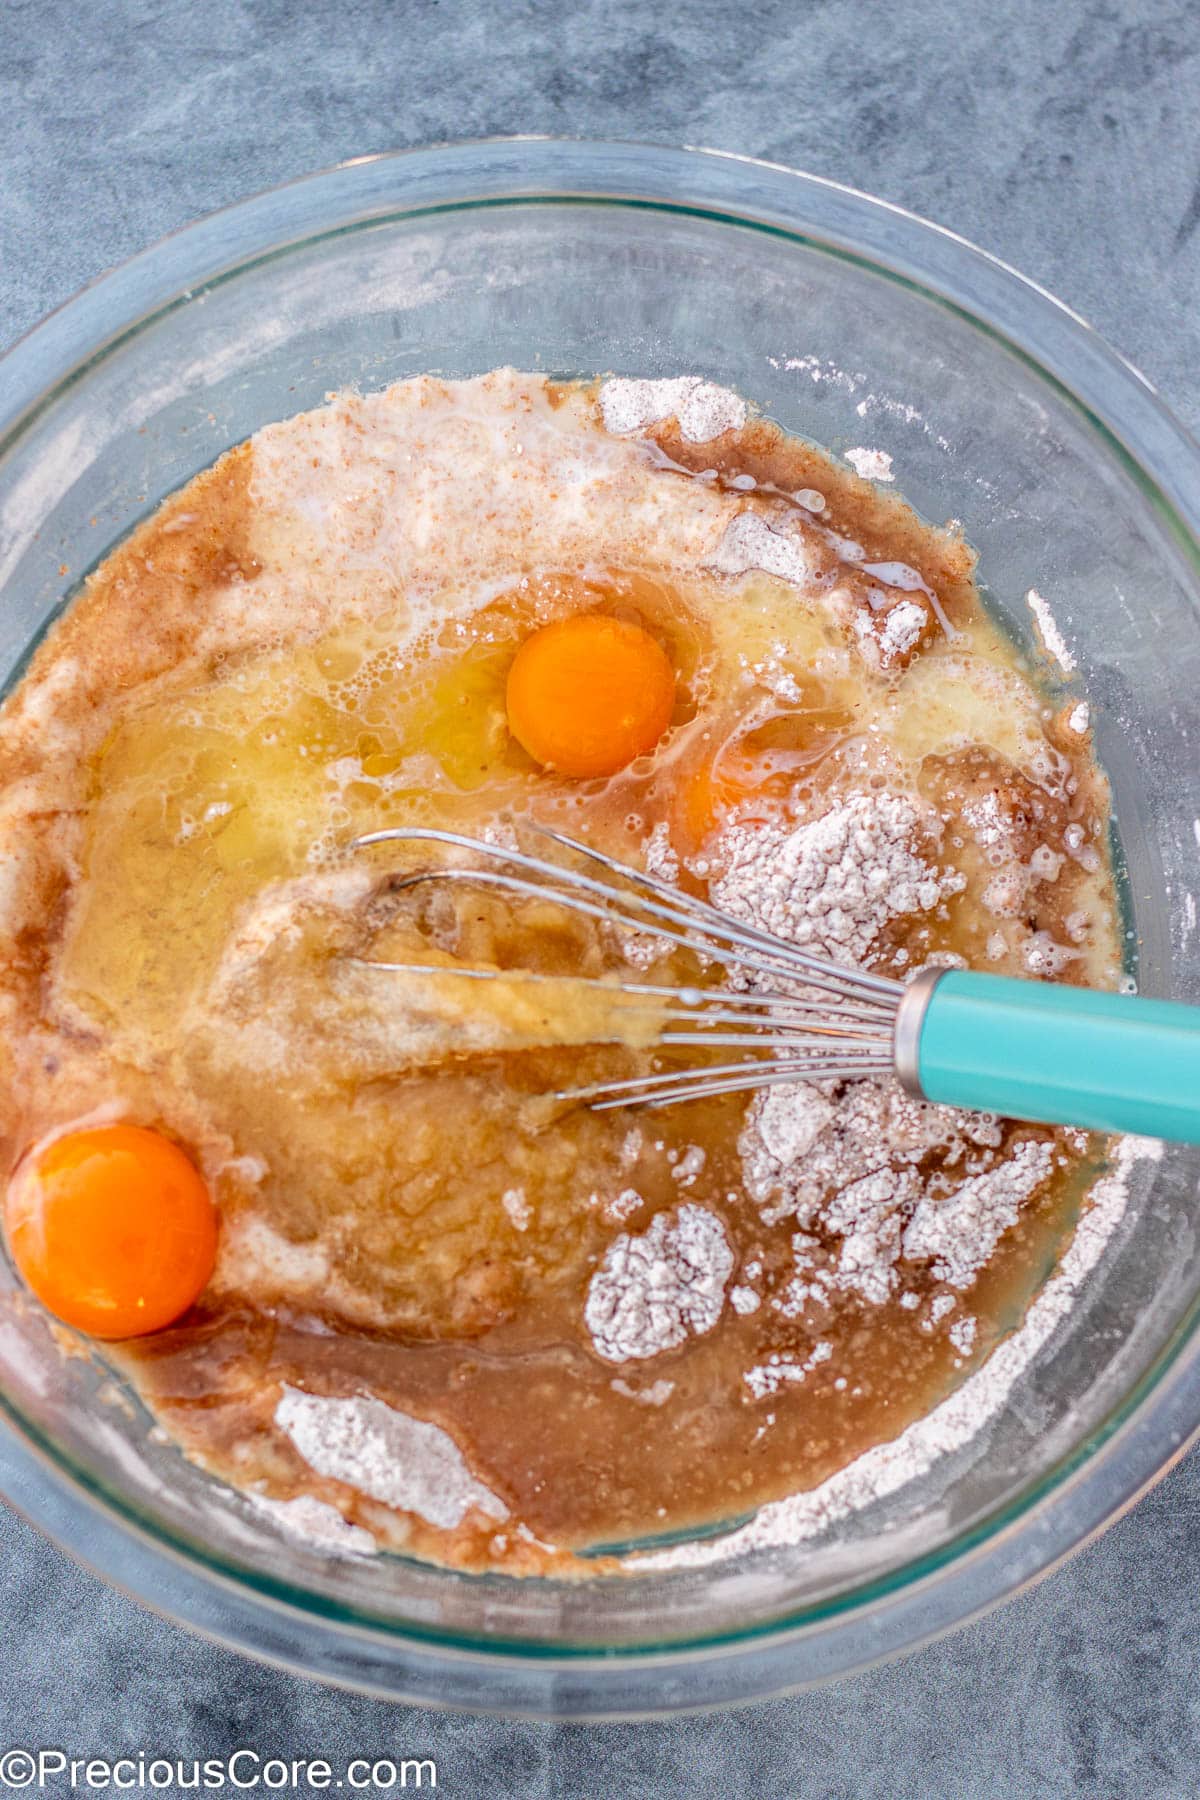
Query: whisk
[{"x": 1023, "y": 1049}]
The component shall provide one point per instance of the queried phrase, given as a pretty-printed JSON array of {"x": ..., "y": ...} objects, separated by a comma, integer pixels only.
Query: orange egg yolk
[
  {"x": 704, "y": 795},
  {"x": 113, "y": 1229},
  {"x": 588, "y": 694}
]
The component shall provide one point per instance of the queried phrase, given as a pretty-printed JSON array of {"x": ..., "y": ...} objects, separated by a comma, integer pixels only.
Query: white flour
[
  {"x": 399, "y": 1461},
  {"x": 962, "y": 1335},
  {"x": 621, "y": 1207},
  {"x": 316, "y": 1523},
  {"x": 872, "y": 465},
  {"x": 958, "y": 1232},
  {"x": 651, "y": 1291},
  {"x": 657, "y": 1394},
  {"x": 833, "y": 883},
  {"x": 848, "y": 1165},
  {"x": 704, "y": 411},
  {"x": 517, "y": 1207},
  {"x": 1052, "y": 638},
  {"x": 901, "y": 629},
  {"x": 690, "y": 1166},
  {"x": 950, "y": 1426},
  {"x": 744, "y": 1299},
  {"x": 661, "y": 859},
  {"x": 782, "y": 1371},
  {"x": 750, "y": 543}
]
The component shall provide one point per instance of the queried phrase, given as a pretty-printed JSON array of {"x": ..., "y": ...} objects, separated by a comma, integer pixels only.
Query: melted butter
[{"x": 963, "y": 697}]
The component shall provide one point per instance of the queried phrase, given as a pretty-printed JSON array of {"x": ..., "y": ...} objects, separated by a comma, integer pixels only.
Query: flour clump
[
  {"x": 397, "y": 1460},
  {"x": 836, "y": 881},
  {"x": 869, "y": 1175},
  {"x": 703, "y": 409},
  {"x": 653, "y": 1291}
]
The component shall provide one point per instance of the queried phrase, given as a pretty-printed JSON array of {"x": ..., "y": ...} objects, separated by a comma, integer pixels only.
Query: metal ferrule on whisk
[{"x": 906, "y": 1037}]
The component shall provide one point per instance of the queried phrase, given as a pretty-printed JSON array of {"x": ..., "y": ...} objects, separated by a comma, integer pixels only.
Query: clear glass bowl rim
[{"x": 1152, "y": 1426}]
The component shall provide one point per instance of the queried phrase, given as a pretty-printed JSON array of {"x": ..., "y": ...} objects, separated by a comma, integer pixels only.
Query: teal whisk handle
[{"x": 1060, "y": 1055}]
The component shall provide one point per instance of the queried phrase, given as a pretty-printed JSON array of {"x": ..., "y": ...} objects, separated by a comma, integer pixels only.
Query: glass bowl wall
[{"x": 853, "y": 324}]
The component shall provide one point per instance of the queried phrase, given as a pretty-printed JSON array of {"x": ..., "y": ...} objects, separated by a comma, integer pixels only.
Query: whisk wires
[{"x": 795, "y": 1015}]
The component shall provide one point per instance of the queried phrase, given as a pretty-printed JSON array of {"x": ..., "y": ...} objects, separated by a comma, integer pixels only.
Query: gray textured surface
[{"x": 1065, "y": 138}]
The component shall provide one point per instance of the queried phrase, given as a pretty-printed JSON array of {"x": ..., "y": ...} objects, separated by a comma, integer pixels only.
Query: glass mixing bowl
[{"x": 854, "y": 324}]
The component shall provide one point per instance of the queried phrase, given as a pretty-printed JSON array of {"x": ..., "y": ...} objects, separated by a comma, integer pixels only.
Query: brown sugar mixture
[{"x": 447, "y": 1312}]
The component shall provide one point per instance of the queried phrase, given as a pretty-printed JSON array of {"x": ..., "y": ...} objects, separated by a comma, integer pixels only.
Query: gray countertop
[{"x": 1064, "y": 138}]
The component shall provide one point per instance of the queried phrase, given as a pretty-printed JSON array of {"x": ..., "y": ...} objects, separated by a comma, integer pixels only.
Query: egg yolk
[
  {"x": 705, "y": 794},
  {"x": 588, "y": 694},
  {"x": 113, "y": 1229},
  {"x": 700, "y": 800}
]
